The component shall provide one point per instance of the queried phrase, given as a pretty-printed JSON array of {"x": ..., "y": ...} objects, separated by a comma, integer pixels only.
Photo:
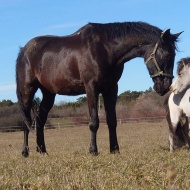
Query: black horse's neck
[
  {"x": 123, "y": 41},
  {"x": 127, "y": 40},
  {"x": 132, "y": 47}
]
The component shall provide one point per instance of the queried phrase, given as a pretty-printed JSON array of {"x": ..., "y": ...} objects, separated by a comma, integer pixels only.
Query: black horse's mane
[
  {"x": 123, "y": 29},
  {"x": 181, "y": 63}
]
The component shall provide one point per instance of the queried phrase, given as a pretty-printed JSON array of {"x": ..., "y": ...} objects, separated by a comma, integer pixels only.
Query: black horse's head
[{"x": 159, "y": 58}]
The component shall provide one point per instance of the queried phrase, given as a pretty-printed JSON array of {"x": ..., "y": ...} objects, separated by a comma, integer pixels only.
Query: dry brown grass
[{"x": 144, "y": 161}]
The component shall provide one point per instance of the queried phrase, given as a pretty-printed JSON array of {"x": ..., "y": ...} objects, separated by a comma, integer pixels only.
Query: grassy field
[{"x": 144, "y": 161}]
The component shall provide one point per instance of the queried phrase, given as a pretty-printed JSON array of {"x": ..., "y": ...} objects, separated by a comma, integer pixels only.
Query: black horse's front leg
[
  {"x": 25, "y": 150},
  {"x": 40, "y": 122},
  {"x": 41, "y": 117},
  {"x": 110, "y": 99},
  {"x": 92, "y": 99},
  {"x": 93, "y": 125},
  {"x": 41, "y": 148}
]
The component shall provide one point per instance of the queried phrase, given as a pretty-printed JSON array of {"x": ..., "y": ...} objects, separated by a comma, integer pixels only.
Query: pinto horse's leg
[
  {"x": 92, "y": 99},
  {"x": 45, "y": 106},
  {"x": 186, "y": 131},
  {"x": 110, "y": 99},
  {"x": 173, "y": 120}
]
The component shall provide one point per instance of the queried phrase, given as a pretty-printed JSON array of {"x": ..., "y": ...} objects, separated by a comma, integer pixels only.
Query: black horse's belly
[{"x": 76, "y": 88}]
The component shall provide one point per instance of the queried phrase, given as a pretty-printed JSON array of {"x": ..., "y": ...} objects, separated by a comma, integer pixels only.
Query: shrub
[
  {"x": 148, "y": 105},
  {"x": 10, "y": 116}
]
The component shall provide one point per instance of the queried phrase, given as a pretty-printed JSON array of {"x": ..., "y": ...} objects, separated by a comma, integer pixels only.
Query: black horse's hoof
[
  {"x": 25, "y": 154},
  {"x": 114, "y": 151},
  {"x": 93, "y": 151},
  {"x": 25, "y": 151},
  {"x": 42, "y": 151}
]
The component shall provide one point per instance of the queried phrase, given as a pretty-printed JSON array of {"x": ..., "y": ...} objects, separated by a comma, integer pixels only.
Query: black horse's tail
[
  {"x": 17, "y": 79},
  {"x": 18, "y": 92}
]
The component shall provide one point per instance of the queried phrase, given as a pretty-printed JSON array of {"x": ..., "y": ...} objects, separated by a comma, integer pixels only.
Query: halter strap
[{"x": 152, "y": 56}]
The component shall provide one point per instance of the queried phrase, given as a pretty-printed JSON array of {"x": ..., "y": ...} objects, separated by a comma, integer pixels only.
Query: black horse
[{"x": 89, "y": 61}]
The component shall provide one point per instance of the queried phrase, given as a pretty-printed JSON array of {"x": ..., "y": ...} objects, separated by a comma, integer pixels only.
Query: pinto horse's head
[
  {"x": 182, "y": 82},
  {"x": 160, "y": 61}
]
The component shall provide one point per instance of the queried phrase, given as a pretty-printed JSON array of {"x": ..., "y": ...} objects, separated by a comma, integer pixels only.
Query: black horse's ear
[
  {"x": 165, "y": 36},
  {"x": 175, "y": 36}
]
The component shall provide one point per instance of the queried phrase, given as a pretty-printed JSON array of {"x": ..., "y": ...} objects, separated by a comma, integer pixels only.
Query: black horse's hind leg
[
  {"x": 110, "y": 99},
  {"x": 25, "y": 98},
  {"x": 26, "y": 126},
  {"x": 92, "y": 99},
  {"x": 45, "y": 106}
]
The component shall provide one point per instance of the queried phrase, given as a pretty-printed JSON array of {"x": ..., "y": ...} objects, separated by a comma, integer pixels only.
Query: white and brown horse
[{"x": 179, "y": 105}]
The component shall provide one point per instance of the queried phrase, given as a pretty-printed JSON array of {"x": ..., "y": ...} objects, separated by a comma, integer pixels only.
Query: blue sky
[{"x": 21, "y": 20}]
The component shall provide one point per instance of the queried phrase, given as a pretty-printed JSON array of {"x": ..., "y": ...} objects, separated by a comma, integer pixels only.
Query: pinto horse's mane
[{"x": 182, "y": 63}]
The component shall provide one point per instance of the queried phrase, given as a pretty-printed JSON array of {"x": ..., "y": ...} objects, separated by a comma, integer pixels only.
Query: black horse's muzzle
[{"x": 162, "y": 85}]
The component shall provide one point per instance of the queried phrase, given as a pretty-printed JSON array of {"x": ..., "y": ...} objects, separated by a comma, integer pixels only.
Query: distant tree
[
  {"x": 5, "y": 103},
  {"x": 36, "y": 103},
  {"x": 150, "y": 90},
  {"x": 82, "y": 99},
  {"x": 72, "y": 104},
  {"x": 128, "y": 96},
  {"x": 37, "y": 100}
]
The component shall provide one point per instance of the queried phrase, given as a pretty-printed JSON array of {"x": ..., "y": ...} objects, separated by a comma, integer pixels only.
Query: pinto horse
[
  {"x": 177, "y": 118},
  {"x": 89, "y": 61},
  {"x": 178, "y": 104}
]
